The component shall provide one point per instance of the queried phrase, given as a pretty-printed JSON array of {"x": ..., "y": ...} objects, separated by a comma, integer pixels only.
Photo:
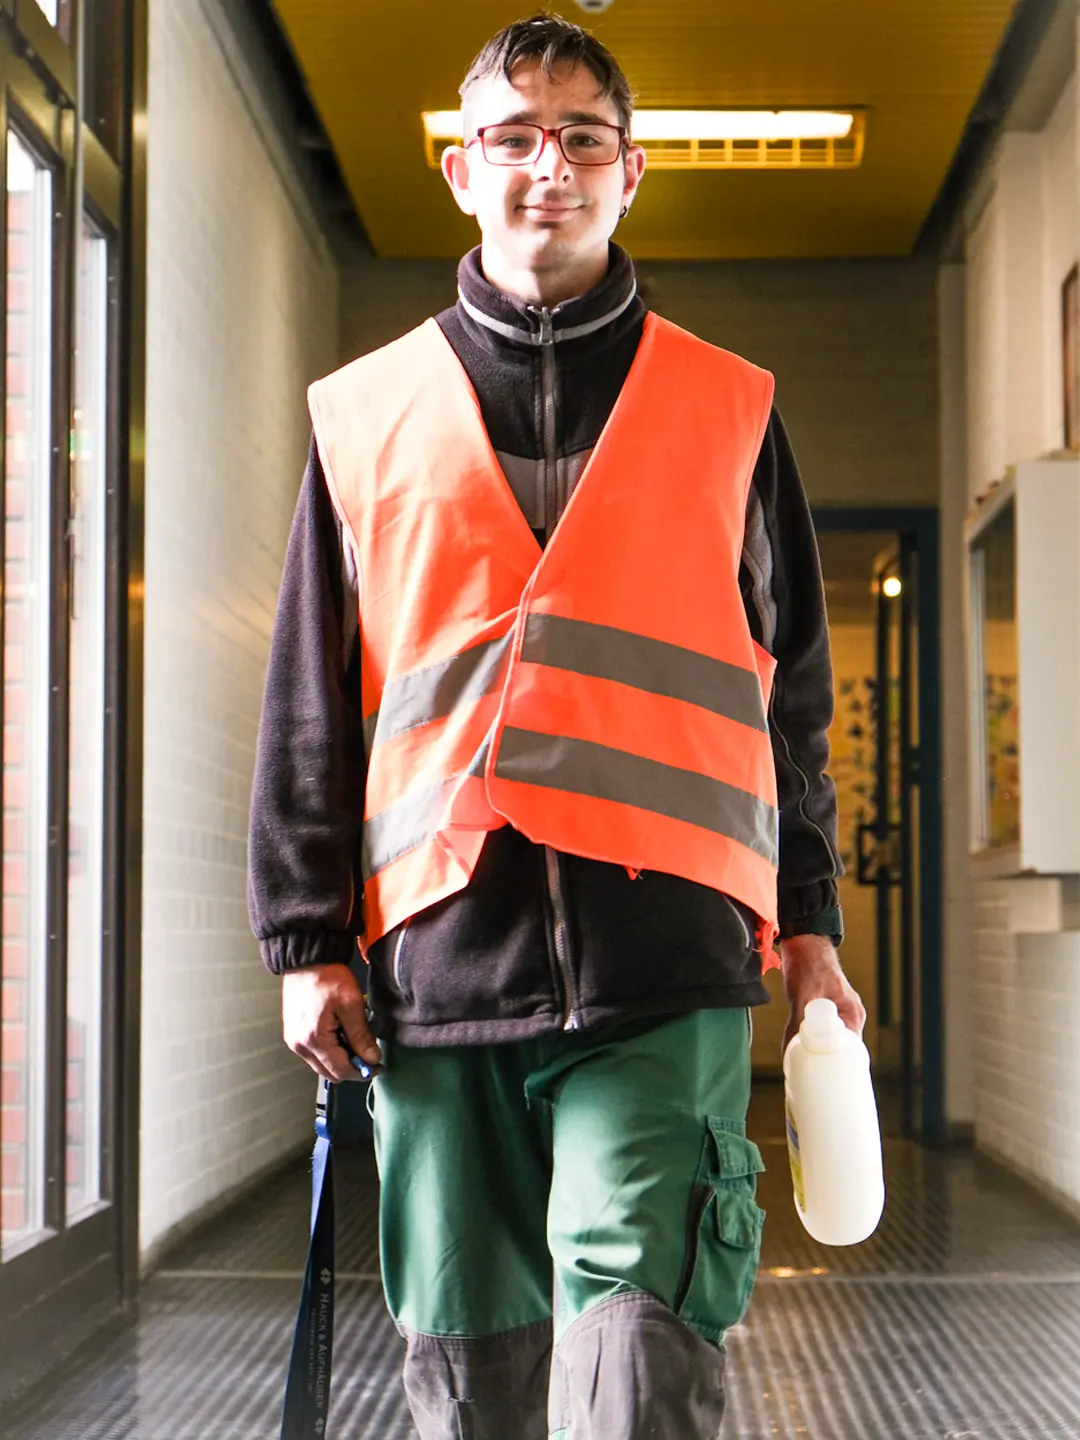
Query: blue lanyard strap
[{"x": 307, "y": 1389}]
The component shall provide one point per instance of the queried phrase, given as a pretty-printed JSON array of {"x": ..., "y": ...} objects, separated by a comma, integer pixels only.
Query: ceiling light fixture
[
  {"x": 742, "y": 124},
  {"x": 717, "y": 139}
]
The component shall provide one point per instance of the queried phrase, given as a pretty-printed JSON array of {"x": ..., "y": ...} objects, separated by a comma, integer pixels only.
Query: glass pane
[
  {"x": 849, "y": 562},
  {"x": 996, "y": 570},
  {"x": 103, "y": 96},
  {"x": 86, "y": 758},
  {"x": 26, "y": 689},
  {"x": 58, "y": 13}
]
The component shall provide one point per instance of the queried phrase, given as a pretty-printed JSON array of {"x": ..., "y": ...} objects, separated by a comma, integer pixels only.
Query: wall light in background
[{"x": 717, "y": 139}]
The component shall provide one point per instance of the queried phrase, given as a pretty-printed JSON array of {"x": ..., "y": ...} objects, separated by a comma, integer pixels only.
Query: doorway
[{"x": 880, "y": 574}]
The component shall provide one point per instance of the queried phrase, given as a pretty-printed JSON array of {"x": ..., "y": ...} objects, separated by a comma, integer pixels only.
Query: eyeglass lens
[{"x": 580, "y": 144}]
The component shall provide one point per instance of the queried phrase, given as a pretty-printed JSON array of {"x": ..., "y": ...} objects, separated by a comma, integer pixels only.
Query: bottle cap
[{"x": 822, "y": 1028}]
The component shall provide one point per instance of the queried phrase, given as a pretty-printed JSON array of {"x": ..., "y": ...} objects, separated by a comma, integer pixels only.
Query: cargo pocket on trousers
[{"x": 724, "y": 1243}]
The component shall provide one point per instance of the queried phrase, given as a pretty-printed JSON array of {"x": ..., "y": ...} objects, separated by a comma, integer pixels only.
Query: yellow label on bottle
[{"x": 795, "y": 1157}]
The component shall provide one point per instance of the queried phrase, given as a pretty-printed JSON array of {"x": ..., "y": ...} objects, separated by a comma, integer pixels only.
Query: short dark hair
[{"x": 553, "y": 41}]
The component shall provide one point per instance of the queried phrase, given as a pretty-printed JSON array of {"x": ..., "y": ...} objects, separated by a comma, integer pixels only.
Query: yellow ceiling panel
[{"x": 916, "y": 66}]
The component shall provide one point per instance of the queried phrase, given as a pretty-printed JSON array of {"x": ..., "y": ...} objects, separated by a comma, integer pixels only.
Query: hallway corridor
[{"x": 959, "y": 1320}]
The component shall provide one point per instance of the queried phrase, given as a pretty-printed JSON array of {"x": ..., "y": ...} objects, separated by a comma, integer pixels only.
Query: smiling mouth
[{"x": 551, "y": 209}]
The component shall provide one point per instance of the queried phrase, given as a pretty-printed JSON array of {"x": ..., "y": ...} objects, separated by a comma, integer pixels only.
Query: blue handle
[{"x": 367, "y": 1071}]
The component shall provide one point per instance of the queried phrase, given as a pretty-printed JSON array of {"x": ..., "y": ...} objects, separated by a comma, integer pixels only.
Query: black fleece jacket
[{"x": 537, "y": 940}]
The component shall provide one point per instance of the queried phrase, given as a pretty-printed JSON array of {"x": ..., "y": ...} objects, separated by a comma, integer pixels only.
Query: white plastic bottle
[{"x": 833, "y": 1133}]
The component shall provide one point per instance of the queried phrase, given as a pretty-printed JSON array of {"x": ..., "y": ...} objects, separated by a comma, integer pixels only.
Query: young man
[{"x": 522, "y": 741}]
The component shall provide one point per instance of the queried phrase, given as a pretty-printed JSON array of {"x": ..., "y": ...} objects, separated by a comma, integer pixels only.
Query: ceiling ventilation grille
[{"x": 819, "y": 154}]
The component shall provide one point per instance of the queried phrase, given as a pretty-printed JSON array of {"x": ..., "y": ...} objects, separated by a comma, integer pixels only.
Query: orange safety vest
[{"x": 604, "y": 694}]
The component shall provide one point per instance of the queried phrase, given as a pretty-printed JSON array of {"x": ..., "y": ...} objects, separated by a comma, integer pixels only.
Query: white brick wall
[
  {"x": 1027, "y": 1073},
  {"x": 1060, "y": 175},
  {"x": 382, "y": 299},
  {"x": 853, "y": 345},
  {"x": 1025, "y": 979},
  {"x": 242, "y": 313},
  {"x": 1019, "y": 249},
  {"x": 957, "y": 918},
  {"x": 986, "y": 350}
]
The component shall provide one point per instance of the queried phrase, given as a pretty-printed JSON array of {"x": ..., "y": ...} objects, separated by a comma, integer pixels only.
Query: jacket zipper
[
  {"x": 398, "y": 951},
  {"x": 571, "y": 1016},
  {"x": 547, "y": 392},
  {"x": 834, "y": 858}
]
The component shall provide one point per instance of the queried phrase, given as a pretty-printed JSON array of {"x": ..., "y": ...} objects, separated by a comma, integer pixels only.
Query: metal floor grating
[{"x": 959, "y": 1320}]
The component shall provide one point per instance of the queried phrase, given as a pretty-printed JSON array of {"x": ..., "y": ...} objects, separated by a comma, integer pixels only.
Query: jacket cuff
[
  {"x": 826, "y": 922},
  {"x": 301, "y": 949}
]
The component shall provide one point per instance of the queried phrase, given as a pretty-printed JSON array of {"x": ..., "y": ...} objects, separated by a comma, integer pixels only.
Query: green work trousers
[{"x": 568, "y": 1227}]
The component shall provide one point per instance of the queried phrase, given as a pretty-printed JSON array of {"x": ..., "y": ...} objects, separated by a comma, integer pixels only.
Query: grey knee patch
[
  {"x": 485, "y": 1387},
  {"x": 630, "y": 1368}
]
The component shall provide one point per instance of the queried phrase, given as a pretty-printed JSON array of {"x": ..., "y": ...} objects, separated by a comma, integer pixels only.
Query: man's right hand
[{"x": 314, "y": 1003}]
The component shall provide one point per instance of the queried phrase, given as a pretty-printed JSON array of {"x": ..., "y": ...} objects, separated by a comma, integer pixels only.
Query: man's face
[{"x": 548, "y": 214}]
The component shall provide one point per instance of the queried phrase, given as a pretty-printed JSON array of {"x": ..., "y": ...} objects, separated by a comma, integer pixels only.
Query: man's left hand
[{"x": 812, "y": 971}]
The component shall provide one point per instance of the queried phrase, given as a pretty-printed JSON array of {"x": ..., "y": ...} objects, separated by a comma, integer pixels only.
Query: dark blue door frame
[{"x": 919, "y": 524}]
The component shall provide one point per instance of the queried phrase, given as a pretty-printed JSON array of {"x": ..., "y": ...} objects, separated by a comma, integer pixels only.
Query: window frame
[
  {"x": 19, "y": 120},
  {"x": 62, "y": 1282}
]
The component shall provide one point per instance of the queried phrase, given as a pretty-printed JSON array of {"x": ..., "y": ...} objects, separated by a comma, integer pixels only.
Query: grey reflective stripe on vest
[
  {"x": 578, "y": 766},
  {"x": 407, "y": 824},
  {"x": 650, "y": 665},
  {"x": 585, "y": 768},
  {"x": 435, "y": 692}
]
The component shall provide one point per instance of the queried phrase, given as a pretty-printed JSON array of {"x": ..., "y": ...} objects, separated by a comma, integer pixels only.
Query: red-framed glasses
[{"x": 583, "y": 143}]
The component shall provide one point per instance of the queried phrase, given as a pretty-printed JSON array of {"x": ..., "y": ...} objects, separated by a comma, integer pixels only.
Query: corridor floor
[{"x": 958, "y": 1320}]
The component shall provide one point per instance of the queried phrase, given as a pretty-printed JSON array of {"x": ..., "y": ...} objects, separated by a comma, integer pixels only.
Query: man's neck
[{"x": 548, "y": 287}]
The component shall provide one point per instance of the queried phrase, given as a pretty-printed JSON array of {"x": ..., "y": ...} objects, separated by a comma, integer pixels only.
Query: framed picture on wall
[{"x": 1070, "y": 355}]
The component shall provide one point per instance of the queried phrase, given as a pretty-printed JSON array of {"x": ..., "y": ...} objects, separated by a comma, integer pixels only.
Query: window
[
  {"x": 104, "y": 97},
  {"x": 996, "y": 697},
  {"x": 25, "y": 615},
  {"x": 71, "y": 724},
  {"x": 86, "y": 732}
]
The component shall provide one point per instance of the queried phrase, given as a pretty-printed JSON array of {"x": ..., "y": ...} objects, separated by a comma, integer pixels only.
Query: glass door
[
  {"x": 25, "y": 616},
  {"x": 888, "y": 852},
  {"x": 88, "y": 760},
  {"x": 880, "y": 568},
  {"x": 60, "y": 967}
]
